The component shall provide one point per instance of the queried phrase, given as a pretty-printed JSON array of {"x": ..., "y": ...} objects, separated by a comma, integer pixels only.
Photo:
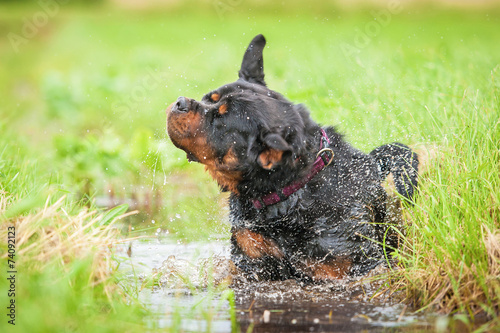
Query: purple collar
[{"x": 323, "y": 159}]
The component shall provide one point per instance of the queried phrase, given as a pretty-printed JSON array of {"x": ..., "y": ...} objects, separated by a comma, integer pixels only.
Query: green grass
[
  {"x": 65, "y": 277},
  {"x": 451, "y": 257},
  {"x": 83, "y": 102}
]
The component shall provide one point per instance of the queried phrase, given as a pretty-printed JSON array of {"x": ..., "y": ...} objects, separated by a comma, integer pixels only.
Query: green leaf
[
  {"x": 25, "y": 205},
  {"x": 113, "y": 213}
]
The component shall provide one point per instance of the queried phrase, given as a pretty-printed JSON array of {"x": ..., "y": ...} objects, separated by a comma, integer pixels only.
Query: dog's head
[{"x": 242, "y": 132}]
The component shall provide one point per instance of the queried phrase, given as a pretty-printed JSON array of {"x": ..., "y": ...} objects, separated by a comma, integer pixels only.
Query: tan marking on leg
[
  {"x": 255, "y": 245},
  {"x": 332, "y": 269}
]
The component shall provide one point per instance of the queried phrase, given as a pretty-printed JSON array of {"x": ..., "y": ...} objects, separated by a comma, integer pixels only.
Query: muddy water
[{"x": 189, "y": 305}]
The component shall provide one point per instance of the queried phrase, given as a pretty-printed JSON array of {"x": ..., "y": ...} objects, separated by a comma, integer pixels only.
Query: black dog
[{"x": 304, "y": 203}]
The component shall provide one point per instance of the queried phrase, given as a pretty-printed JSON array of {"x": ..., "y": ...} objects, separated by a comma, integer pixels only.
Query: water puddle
[{"x": 186, "y": 298}]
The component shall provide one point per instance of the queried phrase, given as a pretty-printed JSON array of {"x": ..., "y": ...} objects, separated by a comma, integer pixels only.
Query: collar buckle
[{"x": 323, "y": 154}]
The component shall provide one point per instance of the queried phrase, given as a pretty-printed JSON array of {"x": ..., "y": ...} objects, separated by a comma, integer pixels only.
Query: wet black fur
[{"x": 338, "y": 214}]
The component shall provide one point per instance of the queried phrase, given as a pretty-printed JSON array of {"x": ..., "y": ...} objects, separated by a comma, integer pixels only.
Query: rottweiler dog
[{"x": 304, "y": 204}]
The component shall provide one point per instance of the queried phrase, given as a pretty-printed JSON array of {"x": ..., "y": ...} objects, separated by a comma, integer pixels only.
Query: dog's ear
[
  {"x": 252, "y": 66},
  {"x": 276, "y": 148}
]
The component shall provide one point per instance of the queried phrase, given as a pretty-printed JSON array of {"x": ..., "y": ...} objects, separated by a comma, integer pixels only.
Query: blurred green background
[
  {"x": 84, "y": 86},
  {"x": 83, "y": 90}
]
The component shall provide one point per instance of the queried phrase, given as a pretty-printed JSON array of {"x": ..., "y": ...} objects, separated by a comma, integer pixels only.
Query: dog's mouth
[
  {"x": 191, "y": 158},
  {"x": 185, "y": 127}
]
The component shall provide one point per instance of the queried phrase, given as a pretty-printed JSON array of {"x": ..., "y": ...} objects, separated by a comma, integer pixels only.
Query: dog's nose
[{"x": 181, "y": 105}]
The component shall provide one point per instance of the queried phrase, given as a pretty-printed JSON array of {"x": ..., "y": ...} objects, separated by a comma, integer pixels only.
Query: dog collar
[{"x": 323, "y": 158}]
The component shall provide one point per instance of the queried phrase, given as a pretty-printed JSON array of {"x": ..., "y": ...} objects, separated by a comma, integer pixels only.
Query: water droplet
[{"x": 266, "y": 316}]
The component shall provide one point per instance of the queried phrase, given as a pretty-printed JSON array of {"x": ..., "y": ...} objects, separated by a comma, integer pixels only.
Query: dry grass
[
  {"x": 52, "y": 236},
  {"x": 442, "y": 285}
]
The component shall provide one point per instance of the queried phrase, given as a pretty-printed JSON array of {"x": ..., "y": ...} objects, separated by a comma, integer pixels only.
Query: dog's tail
[{"x": 402, "y": 162}]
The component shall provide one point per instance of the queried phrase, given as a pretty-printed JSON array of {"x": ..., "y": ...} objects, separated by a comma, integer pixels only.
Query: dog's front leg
[{"x": 259, "y": 257}]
